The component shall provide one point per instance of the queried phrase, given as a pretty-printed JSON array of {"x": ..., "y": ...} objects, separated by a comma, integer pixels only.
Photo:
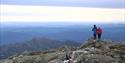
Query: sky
[{"x": 87, "y": 11}]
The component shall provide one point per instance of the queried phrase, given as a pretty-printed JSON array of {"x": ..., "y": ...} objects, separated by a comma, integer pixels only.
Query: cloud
[{"x": 21, "y": 13}]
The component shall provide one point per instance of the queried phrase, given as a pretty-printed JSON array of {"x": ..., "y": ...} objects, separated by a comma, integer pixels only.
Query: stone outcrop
[{"x": 90, "y": 52}]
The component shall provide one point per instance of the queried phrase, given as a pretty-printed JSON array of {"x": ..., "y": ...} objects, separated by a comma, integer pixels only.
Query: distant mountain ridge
[{"x": 35, "y": 44}]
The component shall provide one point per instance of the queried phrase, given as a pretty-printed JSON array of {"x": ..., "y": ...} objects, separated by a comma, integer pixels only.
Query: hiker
[
  {"x": 94, "y": 29},
  {"x": 99, "y": 33}
]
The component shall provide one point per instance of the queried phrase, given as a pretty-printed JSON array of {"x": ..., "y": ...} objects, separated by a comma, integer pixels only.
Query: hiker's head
[
  {"x": 94, "y": 25},
  {"x": 99, "y": 27}
]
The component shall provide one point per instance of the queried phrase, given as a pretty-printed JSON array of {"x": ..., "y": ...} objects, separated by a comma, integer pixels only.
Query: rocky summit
[{"x": 89, "y": 52}]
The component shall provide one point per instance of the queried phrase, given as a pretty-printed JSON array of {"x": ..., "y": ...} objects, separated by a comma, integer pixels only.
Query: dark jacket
[{"x": 94, "y": 30}]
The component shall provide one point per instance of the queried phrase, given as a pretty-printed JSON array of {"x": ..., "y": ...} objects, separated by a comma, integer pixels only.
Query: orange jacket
[{"x": 99, "y": 31}]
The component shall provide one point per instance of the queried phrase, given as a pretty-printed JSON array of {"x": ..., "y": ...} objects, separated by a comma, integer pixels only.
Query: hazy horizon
[{"x": 52, "y": 24}]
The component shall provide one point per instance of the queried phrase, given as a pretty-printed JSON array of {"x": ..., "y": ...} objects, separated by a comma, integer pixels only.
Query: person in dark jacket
[
  {"x": 94, "y": 29},
  {"x": 99, "y": 33}
]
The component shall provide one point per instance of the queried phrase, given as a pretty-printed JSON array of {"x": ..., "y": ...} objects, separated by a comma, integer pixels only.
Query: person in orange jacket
[{"x": 99, "y": 33}]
